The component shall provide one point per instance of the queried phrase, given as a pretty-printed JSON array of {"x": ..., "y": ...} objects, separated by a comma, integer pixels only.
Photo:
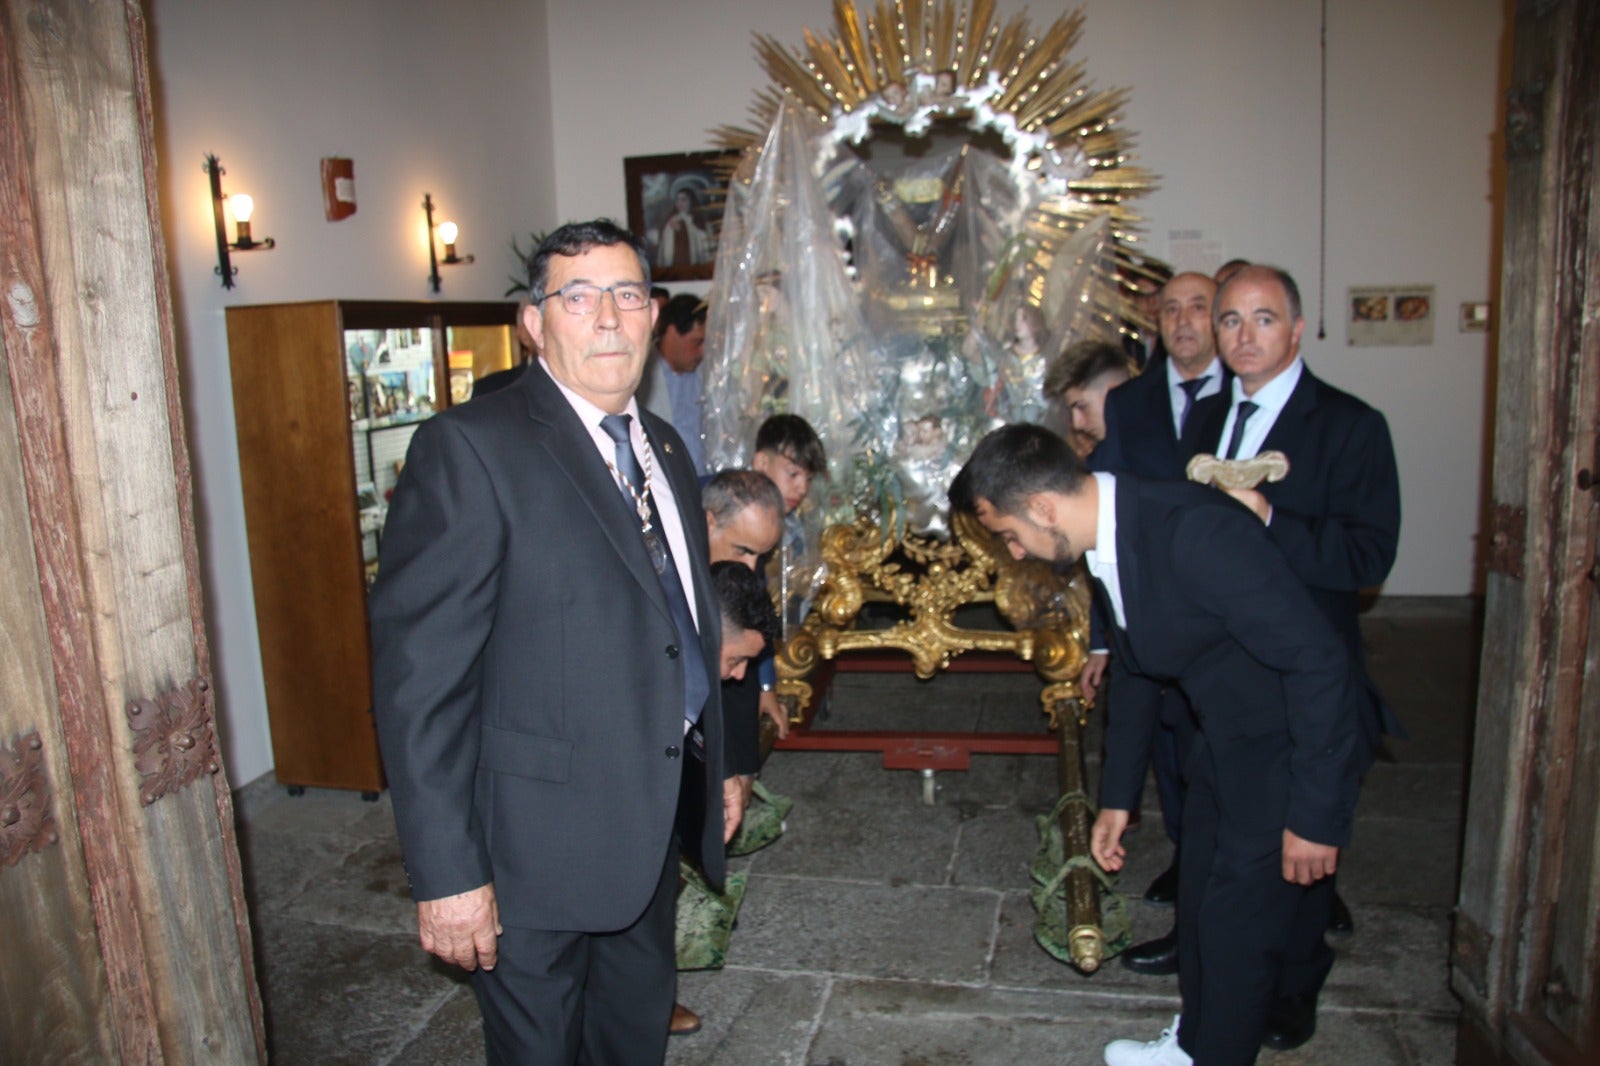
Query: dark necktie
[
  {"x": 1191, "y": 389},
  {"x": 1241, "y": 415},
  {"x": 696, "y": 686}
]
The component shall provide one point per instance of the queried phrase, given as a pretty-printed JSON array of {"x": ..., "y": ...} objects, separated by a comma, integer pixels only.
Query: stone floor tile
[
  {"x": 894, "y": 1022},
  {"x": 1429, "y": 1040},
  {"x": 802, "y": 775},
  {"x": 995, "y": 848},
  {"x": 1419, "y": 791},
  {"x": 1401, "y": 861},
  {"x": 853, "y": 842},
  {"x": 834, "y": 927},
  {"x": 336, "y": 996},
  {"x": 1345, "y": 1038},
  {"x": 1027, "y": 782},
  {"x": 1397, "y": 959},
  {"x": 453, "y": 1036},
  {"x": 288, "y": 862},
  {"x": 862, "y": 781},
  {"x": 366, "y": 891},
  {"x": 748, "y": 1016}
]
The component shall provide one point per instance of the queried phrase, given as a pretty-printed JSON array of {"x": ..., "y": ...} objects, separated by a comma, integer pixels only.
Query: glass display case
[{"x": 326, "y": 397}]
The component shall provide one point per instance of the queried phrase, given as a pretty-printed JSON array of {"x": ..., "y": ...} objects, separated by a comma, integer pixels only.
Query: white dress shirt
[
  {"x": 1178, "y": 397},
  {"x": 1102, "y": 558},
  {"x": 1269, "y": 399},
  {"x": 656, "y": 479}
]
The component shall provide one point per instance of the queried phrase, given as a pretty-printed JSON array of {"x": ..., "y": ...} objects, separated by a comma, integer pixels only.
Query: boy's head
[{"x": 789, "y": 452}]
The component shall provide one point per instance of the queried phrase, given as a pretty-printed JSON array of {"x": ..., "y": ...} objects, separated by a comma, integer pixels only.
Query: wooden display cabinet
[{"x": 326, "y": 396}]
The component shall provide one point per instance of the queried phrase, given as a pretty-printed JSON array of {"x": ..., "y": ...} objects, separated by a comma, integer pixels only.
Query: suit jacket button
[
  {"x": 672, "y": 651},
  {"x": 672, "y": 751}
]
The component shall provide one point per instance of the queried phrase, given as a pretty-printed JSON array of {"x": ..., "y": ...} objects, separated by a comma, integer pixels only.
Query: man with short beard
[{"x": 1271, "y": 797}]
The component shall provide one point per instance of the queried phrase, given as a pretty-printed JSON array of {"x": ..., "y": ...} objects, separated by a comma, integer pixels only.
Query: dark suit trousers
[
  {"x": 585, "y": 999},
  {"x": 1237, "y": 916},
  {"x": 1169, "y": 750}
]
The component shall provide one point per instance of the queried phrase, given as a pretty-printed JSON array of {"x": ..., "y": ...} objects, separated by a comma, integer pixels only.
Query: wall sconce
[
  {"x": 446, "y": 232},
  {"x": 243, "y": 206}
]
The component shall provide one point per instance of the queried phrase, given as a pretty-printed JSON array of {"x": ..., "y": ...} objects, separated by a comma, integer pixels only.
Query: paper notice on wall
[
  {"x": 1390, "y": 316},
  {"x": 1191, "y": 249}
]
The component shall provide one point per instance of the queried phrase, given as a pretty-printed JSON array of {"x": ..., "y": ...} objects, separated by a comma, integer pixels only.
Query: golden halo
[{"x": 1001, "y": 76}]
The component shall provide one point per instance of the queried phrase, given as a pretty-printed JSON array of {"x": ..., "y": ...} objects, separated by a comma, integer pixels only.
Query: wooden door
[
  {"x": 1526, "y": 951},
  {"x": 123, "y": 932}
]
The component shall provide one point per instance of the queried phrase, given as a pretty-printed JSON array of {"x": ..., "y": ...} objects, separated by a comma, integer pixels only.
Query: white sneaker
[{"x": 1162, "y": 1052}]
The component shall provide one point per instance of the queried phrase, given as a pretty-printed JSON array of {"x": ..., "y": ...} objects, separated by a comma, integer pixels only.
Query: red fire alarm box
[{"x": 339, "y": 187}]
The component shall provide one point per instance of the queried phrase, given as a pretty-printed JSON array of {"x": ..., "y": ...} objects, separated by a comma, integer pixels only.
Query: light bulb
[
  {"x": 243, "y": 206},
  {"x": 447, "y": 232}
]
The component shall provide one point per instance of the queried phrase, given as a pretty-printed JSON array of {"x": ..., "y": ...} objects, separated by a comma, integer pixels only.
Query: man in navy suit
[
  {"x": 1271, "y": 793},
  {"x": 1335, "y": 517},
  {"x": 545, "y": 646},
  {"x": 1149, "y": 431}
]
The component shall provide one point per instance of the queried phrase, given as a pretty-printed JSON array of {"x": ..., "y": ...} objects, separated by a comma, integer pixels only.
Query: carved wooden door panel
[
  {"x": 123, "y": 932},
  {"x": 1526, "y": 952}
]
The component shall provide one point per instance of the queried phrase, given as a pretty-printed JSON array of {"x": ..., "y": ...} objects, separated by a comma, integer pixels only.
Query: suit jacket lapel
[
  {"x": 572, "y": 451},
  {"x": 1289, "y": 429}
]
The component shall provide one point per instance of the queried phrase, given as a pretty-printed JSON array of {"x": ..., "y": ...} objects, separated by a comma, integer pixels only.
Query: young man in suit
[
  {"x": 1083, "y": 378},
  {"x": 545, "y": 643},
  {"x": 1149, "y": 428},
  {"x": 1335, "y": 517},
  {"x": 1271, "y": 795}
]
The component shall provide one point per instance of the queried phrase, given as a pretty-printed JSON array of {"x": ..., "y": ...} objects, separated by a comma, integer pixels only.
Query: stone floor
[{"x": 882, "y": 930}]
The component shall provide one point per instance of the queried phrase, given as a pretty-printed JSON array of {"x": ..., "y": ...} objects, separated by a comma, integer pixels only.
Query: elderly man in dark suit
[
  {"x": 1335, "y": 517},
  {"x": 545, "y": 640},
  {"x": 1149, "y": 429},
  {"x": 1271, "y": 793}
]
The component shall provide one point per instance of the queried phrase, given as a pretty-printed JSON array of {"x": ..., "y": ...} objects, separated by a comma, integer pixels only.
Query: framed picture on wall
[{"x": 675, "y": 206}]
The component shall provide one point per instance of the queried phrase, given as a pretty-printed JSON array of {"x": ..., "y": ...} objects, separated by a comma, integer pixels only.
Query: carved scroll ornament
[
  {"x": 1229, "y": 474},
  {"x": 26, "y": 824},
  {"x": 174, "y": 743}
]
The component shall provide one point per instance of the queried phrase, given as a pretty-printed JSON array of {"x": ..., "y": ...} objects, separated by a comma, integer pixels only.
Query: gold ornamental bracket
[{"x": 929, "y": 580}]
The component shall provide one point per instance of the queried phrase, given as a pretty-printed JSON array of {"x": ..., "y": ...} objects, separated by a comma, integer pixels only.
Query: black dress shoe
[
  {"x": 1158, "y": 956},
  {"x": 1293, "y": 1022},
  {"x": 1163, "y": 891},
  {"x": 1340, "y": 921}
]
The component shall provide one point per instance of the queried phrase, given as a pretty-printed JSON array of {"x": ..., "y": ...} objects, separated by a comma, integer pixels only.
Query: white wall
[
  {"x": 1225, "y": 107},
  {"x": 444, "y": 98},
  {"x": 517, "y": 116}
]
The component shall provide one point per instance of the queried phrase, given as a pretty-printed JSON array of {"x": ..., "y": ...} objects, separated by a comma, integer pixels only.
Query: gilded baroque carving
[
  {"x": 173, "y": 739},
  {"x": 929, "y": 580},
  {"x": 1238, "y": 473},
  {"x": 26, "y": 824}
]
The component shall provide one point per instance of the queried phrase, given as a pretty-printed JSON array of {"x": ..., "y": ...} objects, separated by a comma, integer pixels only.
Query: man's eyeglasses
[{"x": 581, "y": 299}]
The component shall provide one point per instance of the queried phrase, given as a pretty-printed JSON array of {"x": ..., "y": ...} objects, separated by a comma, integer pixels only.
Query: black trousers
[
  {"x": 585, "y": 999},
  {"x": 1239, "y": 921}
]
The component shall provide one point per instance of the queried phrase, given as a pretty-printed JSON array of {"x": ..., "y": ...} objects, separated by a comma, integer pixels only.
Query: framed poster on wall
[{"x": 675, "y": 206}]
